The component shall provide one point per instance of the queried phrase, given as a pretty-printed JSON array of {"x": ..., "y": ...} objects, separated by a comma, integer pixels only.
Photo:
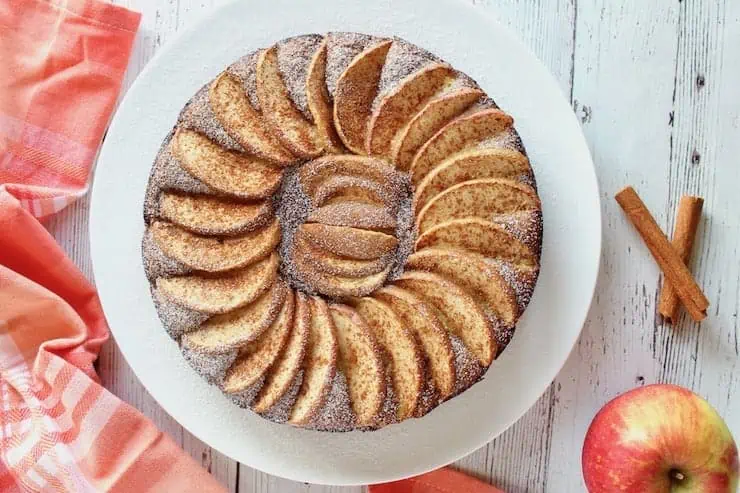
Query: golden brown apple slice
[
  {"x": 243, "y": 123},
  {"x": 435, "y": 115},
  {"x": 319, "y": 366},
  {"x": 480, "y": 236},
  {"x": 338, "y": 286},
  {"x": 249, "y": 369},
  {"x": 395, "y": 110},
  {"x": 296, "y": 133},
  {"x": 214, "y": 254},
  {"x": 473, "y": 274},
  {"x": 481, "y": 198},
  {"x": 286, "y": 369},
  {"x": 325, "y": 261},
  {"x": 215, "y": 295},
  {"x": 360, "y": 361},
  {"x": 319, "y": 103},
  {"x": 316, "y": 173},
  {"x": 208, "y": 215},
  {"x": 350, "y": 242},
  {"x": 234, "y": 330},
  {"x": 404, "y": 362},
  {"x": 341, "y": 188},
  {"x": 419, "y": 317},
  {"x": 468, "y": 165},
  {"x": 355, "y": 215},
  {"x": 457, "y": 310},
  {"x": 228, "y": 172},
  {"x": 354, "y": 95},
  {"x": 461, "y": 133}
]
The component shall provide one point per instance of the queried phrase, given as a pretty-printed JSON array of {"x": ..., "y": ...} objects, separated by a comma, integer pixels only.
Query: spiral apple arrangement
[{"x": 659, "y": 439}]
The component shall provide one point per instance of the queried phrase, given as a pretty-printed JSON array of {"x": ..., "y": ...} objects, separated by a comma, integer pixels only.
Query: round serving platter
[{"x": 518, "y": 82}]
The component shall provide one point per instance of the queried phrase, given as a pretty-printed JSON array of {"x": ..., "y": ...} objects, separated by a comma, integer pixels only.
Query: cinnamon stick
[
  {"x": 674, "y": 269},
  {"x": 687, "y": 222}
]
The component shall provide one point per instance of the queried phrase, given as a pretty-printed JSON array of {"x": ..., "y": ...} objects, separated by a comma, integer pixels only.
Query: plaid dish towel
[{"x": 61, "y": 66}]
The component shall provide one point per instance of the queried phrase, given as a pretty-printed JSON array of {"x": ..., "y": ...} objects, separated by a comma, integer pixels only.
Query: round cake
[{"x": 342, "y": 231}]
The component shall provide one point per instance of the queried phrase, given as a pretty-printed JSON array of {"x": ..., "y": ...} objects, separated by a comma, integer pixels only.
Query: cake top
[{"x": 342, "y": 231}]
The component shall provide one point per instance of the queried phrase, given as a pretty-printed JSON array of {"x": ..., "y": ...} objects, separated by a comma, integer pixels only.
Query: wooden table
[{"x": 656, "y": 85}]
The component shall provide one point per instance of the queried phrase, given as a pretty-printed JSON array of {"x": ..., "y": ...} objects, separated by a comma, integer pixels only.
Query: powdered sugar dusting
[
  {"x": 294, "y": 57},
  {"x": 525, "y": 226},
  {"x": 337, "y": 414},
  {"x": 467, "y": 369},
  {"x": 292, "y": 206},
  {"x": 245, "y": 69},
  {"x": 521, "y": 282},
  {"x": 244, "y": 398},
  {"x": 280, "y": 411},
  {"x": 167, "y": 174},
  {"x": 429, "y": 398},
  {"x": 406, "y": 235},
  {"x": 199, "y": 116},
  {"x": 156, "y": 263},
  {"x": 176, "y": 319},
  {"x": 211, "y": 366},
  {"x": 403, "y": 59},
  {"x": 342, "y": 48},
  {"x": 388, "y": 412}
]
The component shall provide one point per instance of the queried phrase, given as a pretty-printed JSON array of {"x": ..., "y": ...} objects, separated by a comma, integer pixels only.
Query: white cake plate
[{"x": 521, "y": 85}]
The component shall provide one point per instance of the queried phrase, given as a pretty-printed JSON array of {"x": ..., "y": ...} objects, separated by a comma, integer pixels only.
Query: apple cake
[{"x": 342, "y": 231}]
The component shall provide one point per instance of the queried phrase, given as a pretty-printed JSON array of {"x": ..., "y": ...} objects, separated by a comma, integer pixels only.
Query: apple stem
[{"x": 678, "y": 476}]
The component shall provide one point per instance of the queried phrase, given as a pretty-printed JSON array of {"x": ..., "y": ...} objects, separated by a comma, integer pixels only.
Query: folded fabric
[
  {"x": 445, "y": 480},
  {"x": 63, "y": 63}
]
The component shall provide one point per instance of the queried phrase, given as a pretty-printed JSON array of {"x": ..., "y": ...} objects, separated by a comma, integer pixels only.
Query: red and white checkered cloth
[{"x": 61, "y": 66}]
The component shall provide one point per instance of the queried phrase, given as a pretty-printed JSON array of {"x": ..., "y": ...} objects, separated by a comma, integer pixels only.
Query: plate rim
[{"x": 95, "y": 198}]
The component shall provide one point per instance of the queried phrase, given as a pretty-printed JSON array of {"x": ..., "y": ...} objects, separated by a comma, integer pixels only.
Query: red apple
[{"x": 659, "y": 439}]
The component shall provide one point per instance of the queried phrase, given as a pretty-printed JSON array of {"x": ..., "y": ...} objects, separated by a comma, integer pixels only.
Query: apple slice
[
  {"x": 216, "y": 295},
  {"x": 350, "y": 242},
  {"x": 287, "y": 368},
  {"x": 296, "y": 133},
  {"x": 319, "y": 366},
  {"x": 206, "y": 215},
  {"x": 214, "y": 254},
  {"x": 327, "y": 262},
  {"x": 435, "y": 115},
  {"x": 463, "y": 132},
  {"x": 355, "y": 215},
  {"x": 317, "y": 172},
  {"x": 246, "y": 375},
  {"x": 354, "y": 95},
  {"x": 471, "y": 164},
  {"x": 396, "y": 109},
  {"x": 337, "y": 286},
  {"x": 341, "y": 188},
  {"x": 228, "y": 172},
  {"x": 472, "y": 273},
  {"x": 480, "y": 236},
  {"x": 243, "y": 123},
  {"x": 232, "y": 331},
  {"x": 404, "y": 362},
  {"x": 419, "y": 317},
  {"x": 458, "y": 311},
  {"x": 360, "y": 361},
  {"x": 319, "y": 103},
  {"x": 477, "y": 198}
]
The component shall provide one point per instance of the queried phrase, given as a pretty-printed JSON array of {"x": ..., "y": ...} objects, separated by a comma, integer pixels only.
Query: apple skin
[{"x": 644, "y": 439}]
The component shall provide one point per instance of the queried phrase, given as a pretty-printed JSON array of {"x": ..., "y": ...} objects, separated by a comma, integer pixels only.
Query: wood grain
[{"x": 655, "y": 87}]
